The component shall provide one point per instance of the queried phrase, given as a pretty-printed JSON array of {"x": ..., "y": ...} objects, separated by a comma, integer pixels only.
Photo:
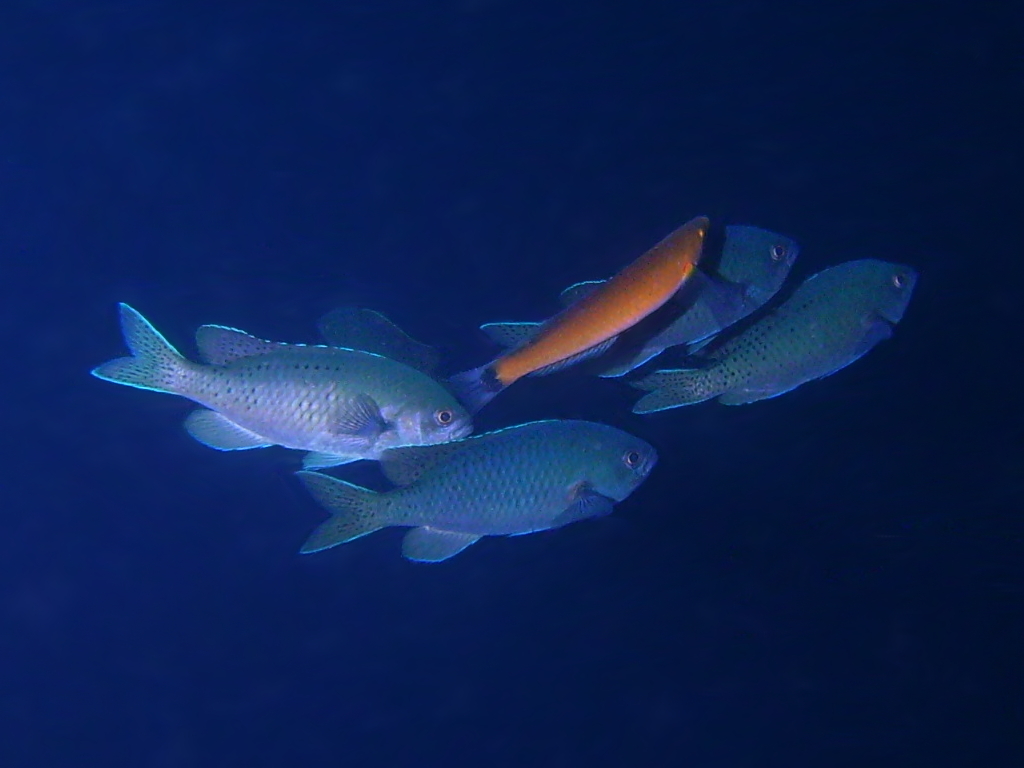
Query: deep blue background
[{"x": 830, "y": 578}]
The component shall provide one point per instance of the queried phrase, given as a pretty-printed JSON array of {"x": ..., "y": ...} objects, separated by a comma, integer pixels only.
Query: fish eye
[
  {"x": 631, "y": 459},
  {"x": 444, "y": 417},
  {"x": 899, "y": 280},
  {"x": 778, "y": 252}
]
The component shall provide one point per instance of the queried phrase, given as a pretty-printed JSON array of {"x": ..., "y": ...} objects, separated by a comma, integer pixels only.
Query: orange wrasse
[{"x": 589, "y": 326}]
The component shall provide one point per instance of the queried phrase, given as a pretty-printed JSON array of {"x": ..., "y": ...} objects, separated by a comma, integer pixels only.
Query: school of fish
[{"x": 718, "y": 311}]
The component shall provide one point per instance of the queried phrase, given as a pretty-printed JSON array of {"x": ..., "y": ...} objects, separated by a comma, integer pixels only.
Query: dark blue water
[{"x": 831, "y": 578}]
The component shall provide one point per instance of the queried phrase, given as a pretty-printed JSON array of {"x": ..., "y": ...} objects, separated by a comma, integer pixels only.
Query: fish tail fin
[
  {"x": 154, "y": 363},
  {"x": 671, "y": 388},
  {"x": 355, "y": 511},
  {"x": 475, "y": 388}
]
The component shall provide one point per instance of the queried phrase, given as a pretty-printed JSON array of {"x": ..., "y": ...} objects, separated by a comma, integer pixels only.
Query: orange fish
[{"x": 589, "y": 326}]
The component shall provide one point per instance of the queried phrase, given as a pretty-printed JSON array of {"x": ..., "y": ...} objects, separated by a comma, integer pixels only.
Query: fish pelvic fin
[
  {"x": 154, "y": 364},
  {"x": 355, "y": 511},
  {"x": 671, "y": 388},
  {"x": 476, "y": 388}
]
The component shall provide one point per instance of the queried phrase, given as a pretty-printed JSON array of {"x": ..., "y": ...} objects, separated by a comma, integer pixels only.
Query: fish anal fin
[
  {"x": 579, "y": 357},
  {"x": 322, "y": 460},
  {"x": 432, "y": 545},
  {"x": 217, "y": 431}
]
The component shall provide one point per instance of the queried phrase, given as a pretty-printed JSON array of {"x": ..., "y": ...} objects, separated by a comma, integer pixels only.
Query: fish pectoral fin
[
  {"x": 220, "y": 345},
  {"x": 585, "y": 503},
  {"x": 432, "y": 545},
  {"x": 322, "y": 460},
  {"x": 403, "y": 466},
  {"x": 217, "y": 431},
  {"x": 510, "y": 335},
  {"x": 370, "y": 331},
  {"x": 360, "y": 417},
  {"x": 577, "y": 291}
]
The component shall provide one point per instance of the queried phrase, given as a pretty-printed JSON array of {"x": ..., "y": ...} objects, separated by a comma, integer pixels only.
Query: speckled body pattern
[
  {"x": 520, "y": 479},
  {"x": 292, "y": 396},
  {"x": 831, "y": 320}
]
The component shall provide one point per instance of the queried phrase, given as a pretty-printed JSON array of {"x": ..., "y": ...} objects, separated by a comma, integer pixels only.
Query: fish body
[
  {"x": 588, "y": 326},
  {"x": 341, "y": 405},
  {"x": 527, "y": 478},
  {"x": 831, "y": 320},
  {"x": 753, "y": 266}
]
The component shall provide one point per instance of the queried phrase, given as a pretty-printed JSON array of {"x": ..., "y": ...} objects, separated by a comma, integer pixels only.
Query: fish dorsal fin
[
  {"x": 575, "y": 292},
  {"x": 403, "y": 466},
  {"x": 586, "y": 354},
  {"x": 510, "y": 335},
  {"x": 585, "y": 503},
  {"x": 220, "y": 345},
  {"x": 432, "y": 545},
  {"x": 370, "y": 331}
]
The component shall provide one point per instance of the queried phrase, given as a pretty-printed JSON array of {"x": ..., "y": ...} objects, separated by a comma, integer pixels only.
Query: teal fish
[
  {"x": 370, "y": 331},
  {"x": 832, "y": 319},
  {"x": 523, "y": 479},
  {"x": 753, "y": 266},
  {"x": 341, "y": 405}
]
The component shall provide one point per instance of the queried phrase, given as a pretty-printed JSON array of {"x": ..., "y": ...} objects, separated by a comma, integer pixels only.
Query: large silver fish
[
  {"x": 340, "y": 404},
  {"x": 831, "y": 320},
  {"x": 753, "y": 266},
  {"x": 526, "y": 478}
]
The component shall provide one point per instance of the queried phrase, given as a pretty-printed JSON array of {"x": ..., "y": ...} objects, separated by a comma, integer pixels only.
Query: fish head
[
  {"x": 617, "y": 462},
  {"x": 895, "y": 285},
  {"x": 758, "y": 259},
  {"x": 428, "y": 421}
]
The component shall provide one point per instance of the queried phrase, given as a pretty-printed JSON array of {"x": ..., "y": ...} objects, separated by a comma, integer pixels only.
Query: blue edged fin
[
  {"x": 154, "y": 365},
  {"x": 322, "y": 460},
  {"x": 354, "y": 511},
  {"x": 575, "y": 292},
  {"x": 217, "y": 431},
  {"x": 431, "y": 545},
  {"x": 370, "y": 331},
  {"x": 510, "y": 335},
  {"x": 404, "y": 466},
  {"x": 220, "y": 345},
  {"x": 579, "y": 357}
]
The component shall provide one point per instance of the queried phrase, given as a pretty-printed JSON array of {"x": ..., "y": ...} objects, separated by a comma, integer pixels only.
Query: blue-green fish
[
  {"x": 832, "y": 319},
  {"x": 753, "y": 266},
  {"x": 341, "y": 405},
  {"x": 523, "y": 479}
]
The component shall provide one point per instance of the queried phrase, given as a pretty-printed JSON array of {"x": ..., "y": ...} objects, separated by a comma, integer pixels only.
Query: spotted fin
[
  {"x": 431, "y": 545},
  {"x": 217, "y": 431},
  {"x": 355, "y": 511},
  {"x": 403, "y": 466},
  {"x": 369, "y": 331},
  {"x": 154, "y": 365},
  {"x": 510, "y": 335},
  {"x": 574, "y": 293},
  {"x": 220, "y": 345}
]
